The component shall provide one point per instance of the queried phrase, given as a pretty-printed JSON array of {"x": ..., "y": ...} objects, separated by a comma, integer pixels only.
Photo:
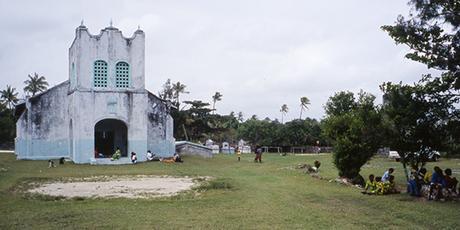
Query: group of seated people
[
  {"x": 152, "y": 157},
  {"x": 381, "y": 185},
  {"x": 435, "y": 185}
]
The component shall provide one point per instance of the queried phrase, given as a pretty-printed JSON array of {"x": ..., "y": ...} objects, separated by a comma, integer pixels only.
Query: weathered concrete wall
[
  {"x": 110, "y": 46},
  {"x": 92, "y": 107},
  {"x": 160, "y": 138},
  {"x": 61, "y": 122},
  {"x": 185, "y": 148},
  {"x": 41, "y": 129}
]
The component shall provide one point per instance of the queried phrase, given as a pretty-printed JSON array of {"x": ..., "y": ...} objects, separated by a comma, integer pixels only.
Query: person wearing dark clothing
[{"x": 258, "y": 152}]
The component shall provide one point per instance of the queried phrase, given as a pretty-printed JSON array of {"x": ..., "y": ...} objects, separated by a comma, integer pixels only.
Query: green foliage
[
  {"x": 215, "y": 98},
  {"x": 9, "y": 96},
  {"x": 426, "y": 115},
  {"x": 304, "y": 103},
  {"x": 35, "y": 84},
  {"x": 432, "y": 33},
  {"x": 7, "y": 127},
  {"x": 354, "y": 126}
]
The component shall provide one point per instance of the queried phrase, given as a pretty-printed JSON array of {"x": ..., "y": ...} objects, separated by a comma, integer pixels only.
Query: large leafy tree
[
  {"x": 433, "y": 36},
  {"x": 432, "y": 33},
  {"x": 35, "y": 84},
  {"x": 414, "y": 125},
  {"x": 7, "y": 127},
  {"x": 354, "y": 126},
  {"x": 9, "y": 96}
]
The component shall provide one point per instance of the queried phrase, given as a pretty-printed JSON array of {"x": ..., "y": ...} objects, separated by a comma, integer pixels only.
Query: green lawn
[{"x": 271, "y": 195}]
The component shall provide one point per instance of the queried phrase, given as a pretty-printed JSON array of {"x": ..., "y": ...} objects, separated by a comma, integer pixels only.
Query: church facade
[{"x": 101, "y": 107}]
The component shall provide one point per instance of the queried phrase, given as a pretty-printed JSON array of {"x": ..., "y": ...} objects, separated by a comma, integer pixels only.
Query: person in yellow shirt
[
  {"x": 238, "y": 153},
  {"x": 427, "y": 177},
  {"x": 370, "y": 187}
]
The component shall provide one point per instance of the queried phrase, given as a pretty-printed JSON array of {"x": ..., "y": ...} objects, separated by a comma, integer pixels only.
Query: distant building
[{"x": 103, "y": 105}]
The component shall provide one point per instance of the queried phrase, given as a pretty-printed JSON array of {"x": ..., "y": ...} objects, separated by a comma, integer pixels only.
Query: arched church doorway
[{"x": 110, "y": 134}]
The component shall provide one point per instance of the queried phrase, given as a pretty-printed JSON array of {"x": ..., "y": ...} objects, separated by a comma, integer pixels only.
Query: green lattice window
[
  {"x": 100, "y": 74},
  {"x": 122, "y": 75}
]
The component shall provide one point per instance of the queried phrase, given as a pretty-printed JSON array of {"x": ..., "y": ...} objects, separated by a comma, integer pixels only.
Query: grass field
[{"x": 271, "y": 195}]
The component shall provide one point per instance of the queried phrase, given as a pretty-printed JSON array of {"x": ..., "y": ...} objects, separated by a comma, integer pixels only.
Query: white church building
[{"x": 101, "y": 107}]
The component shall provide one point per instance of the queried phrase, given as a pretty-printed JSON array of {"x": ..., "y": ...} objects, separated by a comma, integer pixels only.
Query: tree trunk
[{"x": 185, "y": 132}]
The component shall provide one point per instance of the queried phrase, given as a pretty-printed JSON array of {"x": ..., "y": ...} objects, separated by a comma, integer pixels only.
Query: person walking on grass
[{"x": 258, "y": 153}]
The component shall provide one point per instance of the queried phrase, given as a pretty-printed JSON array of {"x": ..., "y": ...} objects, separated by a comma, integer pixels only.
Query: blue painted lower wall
[{"x": 84, "y": 149}]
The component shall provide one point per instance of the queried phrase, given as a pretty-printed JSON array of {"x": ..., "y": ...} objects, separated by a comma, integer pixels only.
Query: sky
[{"x": 258, "y": 54}]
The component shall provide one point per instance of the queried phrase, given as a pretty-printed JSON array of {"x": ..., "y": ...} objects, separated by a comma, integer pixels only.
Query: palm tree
[
  {"x": 217, "y": 97},
  {"x": 304, "y": 102},
  {"x": 177, "y": 89},
  {"x": 35, "y": 84},
  {"x": 9, "y": 96},
  {"x": 240, "y": 117},
  {"x": 284, "y": 109}
]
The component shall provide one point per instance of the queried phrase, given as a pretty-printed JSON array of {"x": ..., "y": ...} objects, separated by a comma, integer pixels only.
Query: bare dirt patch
[{"x": 126, "y": 187}]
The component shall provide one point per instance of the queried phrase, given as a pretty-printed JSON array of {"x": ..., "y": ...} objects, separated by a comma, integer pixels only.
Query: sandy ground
[{"x": 127, "y": 187}]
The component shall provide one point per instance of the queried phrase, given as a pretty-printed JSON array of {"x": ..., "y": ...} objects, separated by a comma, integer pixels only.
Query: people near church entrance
[
  {"x": 387, "y": 174},
  {"x": 133, "y": 158},
  {"x": 177, "y": 158},
  {"x": 151, "y": 156},
  {"x": 97, "y": 154},
  {"x": 116, "y": 155},
  {"x": 51, "y": 164}
]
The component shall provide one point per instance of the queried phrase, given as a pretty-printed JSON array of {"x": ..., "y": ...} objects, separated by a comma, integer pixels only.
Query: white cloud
[{"x": 258, "y": 54}]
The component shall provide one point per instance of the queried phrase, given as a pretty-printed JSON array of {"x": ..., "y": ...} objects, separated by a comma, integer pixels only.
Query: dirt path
[{"x": 127, "y": 187}]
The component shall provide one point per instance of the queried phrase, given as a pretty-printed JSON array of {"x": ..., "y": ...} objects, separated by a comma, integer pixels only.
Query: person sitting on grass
[
  {"x": 451, "y": 182},
  {"x": 391, "y": 186},
  {"x": 116, "y": 155},
  {"x": 378, "y": 186},
  {"x": 416, "y": 182},
  {"x": 177, "y": 158},
  {"x": 387, "y": 174},
  {"x": 437, "y": 184},
  {"x": 370, "y": 185}
]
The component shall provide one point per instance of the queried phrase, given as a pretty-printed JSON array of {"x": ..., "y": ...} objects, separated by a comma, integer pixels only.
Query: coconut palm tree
[
  {"x": 9, "y": 96},
  {"x": 217, "y": 97},
  {"x": 178, "y": 89},
  {"x": 35, "y": 84},
  {"x": 284, "y": 110},
  {"x": 304, "y": 102},
  {"x": 240, "y": 117}
]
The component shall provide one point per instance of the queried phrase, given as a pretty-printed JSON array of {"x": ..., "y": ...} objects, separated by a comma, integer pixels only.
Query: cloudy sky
[{"x": 258, "y": 54}]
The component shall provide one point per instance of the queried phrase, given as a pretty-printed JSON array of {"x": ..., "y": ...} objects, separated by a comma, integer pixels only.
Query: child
[
  {"x": 379, "y": 186},
  {"x": 133, "y": 158},
  {"x": 370, "y": 185},
  {"x": 238, "y": 154},
  {"x": 391, "y": 186}
]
